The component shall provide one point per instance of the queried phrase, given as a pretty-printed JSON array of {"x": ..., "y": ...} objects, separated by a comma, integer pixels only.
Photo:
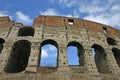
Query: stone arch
[
  {"x": 111, "y": 41},
  {"x": 80, "y": 52},
  {"x": 19, "y": 56},
  {"x": 2, "y": 41},
  {"x": 48, "y": 42},
  {"x": 116, "y": 53},
  {"x": 100, "y": 59},
  {"x": 26, "y": 31}
]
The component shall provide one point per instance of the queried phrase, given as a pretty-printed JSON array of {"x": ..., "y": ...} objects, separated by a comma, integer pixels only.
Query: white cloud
[
  {"x": 52, "y": 11},
  {"x": 49, "y": 51},
  {"x": 52, "y": 48},
  {"x": 113, "y": 1},
  {"x": 115, "y": 8},
  {"x": 100, "y": 19},
  {"x": 64, "y": 3},
  {"x": 20, "y": 17},
  {"x": 108, "y": 19},
  {"x": 99, "y": 12},
  {"x": 93, "y": 52},
  {"x": 69, "y": 15},
  {"x": 4, "y": 13},
  {"x": 76, "y": 13},
  {"x": 49, "y": 11},
  {"x": 115, "y": 20},
  {"x": 44, "y": 53},
  {"x": 25, "y": 19},
  {"x": 92, "y": 7},
  {"x": 54, "y": 55},
  {"x": 68, "y": 3}
]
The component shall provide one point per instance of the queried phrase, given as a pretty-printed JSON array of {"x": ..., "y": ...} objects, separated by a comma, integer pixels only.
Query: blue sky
[
  {"x": 24, "y": 11},
  {"x": 102, "y": 11},
  {"x": 49, "y": 55}
]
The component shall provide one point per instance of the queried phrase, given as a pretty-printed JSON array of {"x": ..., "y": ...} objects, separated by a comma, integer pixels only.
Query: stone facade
[{"x": 20, "y": 49}]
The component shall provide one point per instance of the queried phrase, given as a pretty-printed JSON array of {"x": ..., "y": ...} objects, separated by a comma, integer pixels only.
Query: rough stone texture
[{"x": 58, "y": 29}]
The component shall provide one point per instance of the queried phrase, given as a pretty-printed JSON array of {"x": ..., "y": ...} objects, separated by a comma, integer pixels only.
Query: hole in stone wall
[
  {"x": 26, "y": 31},
  {"x": 100, "y": 58},
  {"x": 49, "y": 54},
  {"x": 70, "y": 21},
  {"x": 75, "y": 54},
  {"x": 2, "y": 41},
  {"x": 64, "y": 56},
  {"x": 111, "y": 41},
  {"x": 116, "y": 53},
  {"x": 64, "y": 63},
  {"x": 104, "y": 29},
  {"x": 19, "y": 56}
]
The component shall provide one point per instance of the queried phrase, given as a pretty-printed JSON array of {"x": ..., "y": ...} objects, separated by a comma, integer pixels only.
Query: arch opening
[
  {"x": 100, "y": 59},
  {"x": 111, "y": 41},
  {"x": 48, "y": 54},
  {"x": 2, "y": 41},
  {"x": 19, "y": 56},
  {"x": 116, "y": 53},
  {"x": 75, "y": 54},
  {"x": 26, "y": 31}
]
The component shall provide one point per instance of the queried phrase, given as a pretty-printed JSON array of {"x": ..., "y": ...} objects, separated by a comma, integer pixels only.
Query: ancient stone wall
[{"x": 20, "y": 48}]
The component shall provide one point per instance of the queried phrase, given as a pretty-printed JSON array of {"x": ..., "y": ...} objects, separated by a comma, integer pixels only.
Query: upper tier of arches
[{"x": 67, "y": 22}]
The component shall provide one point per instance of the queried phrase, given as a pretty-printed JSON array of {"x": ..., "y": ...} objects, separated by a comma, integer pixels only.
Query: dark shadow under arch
[
  {"x": 51, "y": 43},
  {"x": 111, "y": 41},
  {"x": 2, "y": 41},
  {"x": 100, "y": 59},
  {"x": 116, "y": 53},
  {"x": 79, "y": 52},
  {"x": 26, "y": 31},
  {"x": 19, "y": 56}
]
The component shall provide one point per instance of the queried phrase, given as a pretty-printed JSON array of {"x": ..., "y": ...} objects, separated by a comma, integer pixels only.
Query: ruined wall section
[
  {"x": 87, "y": 33},
  {"x": 63, "y": 30},
  {"x": 5, "y": 26},
  {"x": 5, "y": 29}
]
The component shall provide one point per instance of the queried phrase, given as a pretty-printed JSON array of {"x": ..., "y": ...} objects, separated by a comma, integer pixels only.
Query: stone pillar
[
  {"x": 63, "y": 68},
  {"x": 89, "y": 61},
  {"x": 33, "y": 59},
  {"x": 63, "y": 59},
  {"x": 112, "y": 64},
  {"x": 4, "y": 56}
]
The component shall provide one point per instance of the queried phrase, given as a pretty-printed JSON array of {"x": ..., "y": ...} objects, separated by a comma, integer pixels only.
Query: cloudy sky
[
  {"x": 24, "y": 11},
  {"x": 102, "y": 11},
  {"x": 49, "y": 55}
]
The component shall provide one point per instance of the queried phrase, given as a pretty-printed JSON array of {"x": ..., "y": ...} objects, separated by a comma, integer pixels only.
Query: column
[
  {"x": 89, "y": 61},
  {"x": 63, "y": 63},
  {"x": 112, "y": 62},
  {"x": 62, "y": 60},
  {"x": 33, "y": 59},
  {"x": 4, "y": 56}
]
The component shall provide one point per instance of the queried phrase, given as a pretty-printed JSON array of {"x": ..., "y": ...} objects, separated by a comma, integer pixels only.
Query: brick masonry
[{"x": 61, "y": 30}]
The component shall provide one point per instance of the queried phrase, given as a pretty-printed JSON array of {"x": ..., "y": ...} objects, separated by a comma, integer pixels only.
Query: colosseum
[{"x": 20, "y": 49}]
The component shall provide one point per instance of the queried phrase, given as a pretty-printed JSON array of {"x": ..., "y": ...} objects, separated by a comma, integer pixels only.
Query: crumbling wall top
[
  {"x": 68, "y": 22},
  {"x": 6, "y": 22}
]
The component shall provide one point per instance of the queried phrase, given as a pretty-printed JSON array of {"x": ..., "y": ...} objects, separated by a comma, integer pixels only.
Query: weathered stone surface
[{"x": 61, "y": 32}]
